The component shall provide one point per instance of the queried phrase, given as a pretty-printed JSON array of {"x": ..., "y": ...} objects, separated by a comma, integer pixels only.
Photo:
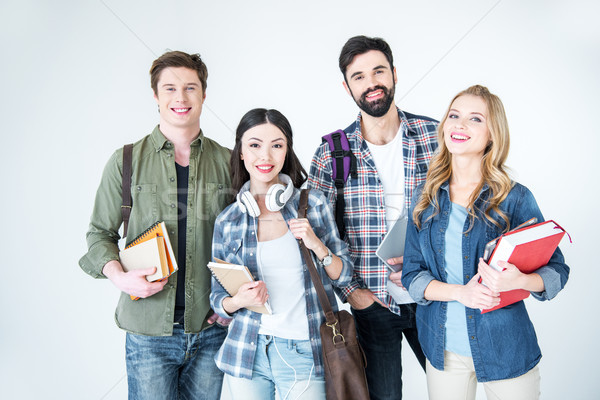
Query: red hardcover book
[{"x": 529, "y": 249}]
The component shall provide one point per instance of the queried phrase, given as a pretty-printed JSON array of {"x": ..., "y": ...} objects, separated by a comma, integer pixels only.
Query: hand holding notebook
[{"x": 232, "y": 277}]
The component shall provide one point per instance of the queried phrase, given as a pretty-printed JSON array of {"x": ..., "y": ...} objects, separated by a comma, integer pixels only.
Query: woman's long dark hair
[{"x": 260, "y": 116}]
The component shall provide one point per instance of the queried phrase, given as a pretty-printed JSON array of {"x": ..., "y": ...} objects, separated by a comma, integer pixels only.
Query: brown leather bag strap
[
  {"x": 126, "y": 186},
  {"x": 314, "y": 275}
]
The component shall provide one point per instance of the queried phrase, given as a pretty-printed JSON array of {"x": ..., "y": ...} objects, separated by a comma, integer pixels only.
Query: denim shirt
[
  {"x": 234, "y": 241},
  {"x": 503, "y": 342}
]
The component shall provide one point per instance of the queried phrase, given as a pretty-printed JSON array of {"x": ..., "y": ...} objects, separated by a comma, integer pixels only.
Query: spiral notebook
[
  {"x": 152, "y": 248},
  {"x": 231, "y": 277}
]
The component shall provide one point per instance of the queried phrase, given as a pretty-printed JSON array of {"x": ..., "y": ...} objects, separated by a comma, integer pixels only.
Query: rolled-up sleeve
[
  {"x": 418, "y": 286},
  {"x": 416, "y": 276},
  {"x": 103, "y": 236},
  {"x": 554, "y": 275},
  {"x": 320, "y": 215}
]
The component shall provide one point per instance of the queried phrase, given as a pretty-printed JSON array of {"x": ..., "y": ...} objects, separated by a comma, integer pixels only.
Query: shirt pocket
[
  {"x": 144, "y": 211},
  {"x": 215, "y": 197},
  {"x": 232, "y": 251}
]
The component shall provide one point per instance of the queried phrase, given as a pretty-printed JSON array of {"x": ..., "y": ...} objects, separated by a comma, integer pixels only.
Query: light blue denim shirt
[{"x": 503, "y": 342}]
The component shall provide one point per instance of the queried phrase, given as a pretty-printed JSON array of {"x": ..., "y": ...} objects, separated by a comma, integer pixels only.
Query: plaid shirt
[
  {"x": 364, "y": 215},
  {"x": 234, "y": 241}
]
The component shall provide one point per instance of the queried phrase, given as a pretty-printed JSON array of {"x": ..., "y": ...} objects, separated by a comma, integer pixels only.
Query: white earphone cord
[
  {"x": 259, "y": 263},
  {"x": 295, "y": 375}
]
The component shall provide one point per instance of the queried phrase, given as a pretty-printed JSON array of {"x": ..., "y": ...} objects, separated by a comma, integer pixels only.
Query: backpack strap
[
  {"x": 343, "y": 165},
  {"x": 126, "y": 186}
]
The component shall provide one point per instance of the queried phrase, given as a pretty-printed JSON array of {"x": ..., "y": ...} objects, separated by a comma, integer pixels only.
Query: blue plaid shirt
[
  {"x": 364, "y": 215},
  {"x": 234, "y": 241}
]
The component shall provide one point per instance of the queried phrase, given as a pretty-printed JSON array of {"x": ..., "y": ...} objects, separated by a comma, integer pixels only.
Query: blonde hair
[{"x": 493, "y": 171}]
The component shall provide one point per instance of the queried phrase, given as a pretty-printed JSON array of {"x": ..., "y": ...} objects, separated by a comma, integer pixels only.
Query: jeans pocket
[
  {"x": 371, "y": 308},
  {"x": 303, "y": 348}
]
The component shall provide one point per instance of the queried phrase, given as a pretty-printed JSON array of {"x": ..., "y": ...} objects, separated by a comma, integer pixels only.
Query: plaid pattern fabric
[
  {"x": 234, "y": 241},
  {"x": 364, "y": 215}
]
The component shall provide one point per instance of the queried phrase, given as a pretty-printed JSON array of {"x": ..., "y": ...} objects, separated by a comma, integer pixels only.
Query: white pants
[{"x": 458, "y": 382}]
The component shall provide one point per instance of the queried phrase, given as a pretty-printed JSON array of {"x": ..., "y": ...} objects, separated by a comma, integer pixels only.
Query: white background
[{"x": 75, "y": 87}]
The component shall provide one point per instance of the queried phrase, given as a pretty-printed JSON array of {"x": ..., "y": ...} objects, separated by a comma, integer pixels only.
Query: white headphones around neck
[{"x": 275, "y": 200}]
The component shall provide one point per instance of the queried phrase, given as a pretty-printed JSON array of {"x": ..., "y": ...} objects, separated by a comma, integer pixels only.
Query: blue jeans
[
  {"x": 174, "y": 367},
  {"x": 284, "y": 364},
  {"x": 380, "y": 335}
]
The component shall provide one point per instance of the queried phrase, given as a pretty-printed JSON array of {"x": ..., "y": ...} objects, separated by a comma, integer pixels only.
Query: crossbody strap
[
  {"x": 126, "y": 186},
  {"x": 314, "y": 275}
]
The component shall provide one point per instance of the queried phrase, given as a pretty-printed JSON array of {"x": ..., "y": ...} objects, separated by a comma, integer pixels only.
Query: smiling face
[
  {"x": 371, "y": 83},
  {"x": 263, "y": 150},
  {"x": 180, "y": 97},
  {"x": 466, "y": 131}
]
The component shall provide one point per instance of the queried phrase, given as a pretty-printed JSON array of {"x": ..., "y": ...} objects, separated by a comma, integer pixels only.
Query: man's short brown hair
[{"x": 176, "y": 59}]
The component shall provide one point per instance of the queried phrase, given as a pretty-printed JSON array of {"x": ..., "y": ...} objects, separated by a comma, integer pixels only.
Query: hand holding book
[
  {"x": 134, "y": 282},
  {"x": 245, "y": 292},
  {"x": 250, "y": 295},
  {"x": 514, "y": 257},
  {"x": 510, "y": 278}
]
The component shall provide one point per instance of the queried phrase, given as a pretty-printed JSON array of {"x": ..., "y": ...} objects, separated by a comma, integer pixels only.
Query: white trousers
[{"x": 458, "y": 382}]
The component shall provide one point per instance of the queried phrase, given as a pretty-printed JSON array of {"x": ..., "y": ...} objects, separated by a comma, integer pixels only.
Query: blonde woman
[{"x": 468, "y": 200}]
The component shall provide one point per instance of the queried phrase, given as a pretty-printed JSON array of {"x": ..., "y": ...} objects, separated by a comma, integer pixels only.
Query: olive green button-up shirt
[{"x": 154, "y": 195}]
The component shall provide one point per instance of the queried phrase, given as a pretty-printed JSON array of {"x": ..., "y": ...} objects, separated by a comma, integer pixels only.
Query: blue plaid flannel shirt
[
  {"x": 234, "y": 241},
  {"x": 364, "y": 215}
]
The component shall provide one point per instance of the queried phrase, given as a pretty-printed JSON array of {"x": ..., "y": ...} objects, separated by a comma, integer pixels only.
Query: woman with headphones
[{"x": 282, "y": 350}]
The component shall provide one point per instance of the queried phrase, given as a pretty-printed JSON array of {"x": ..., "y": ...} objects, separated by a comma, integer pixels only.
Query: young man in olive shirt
[{"x": 182, "y": 178}]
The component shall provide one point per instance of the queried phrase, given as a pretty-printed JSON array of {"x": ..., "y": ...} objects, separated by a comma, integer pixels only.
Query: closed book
[
  {"x": 231, "y": 277},
  {"x": 148, "y": 254},
  {"x": 529, "y": 249},
  {"x": 158, "y": 229}
]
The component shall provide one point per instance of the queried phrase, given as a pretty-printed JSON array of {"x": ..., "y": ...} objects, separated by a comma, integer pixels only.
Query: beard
[{"x": 379, "y": 107}]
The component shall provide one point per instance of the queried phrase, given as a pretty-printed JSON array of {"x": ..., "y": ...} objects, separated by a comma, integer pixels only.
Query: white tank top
[{"x": 281, "y": 266}]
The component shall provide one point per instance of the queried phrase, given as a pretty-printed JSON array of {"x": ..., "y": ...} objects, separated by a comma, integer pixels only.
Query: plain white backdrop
[{"x": 75, "y": 87}]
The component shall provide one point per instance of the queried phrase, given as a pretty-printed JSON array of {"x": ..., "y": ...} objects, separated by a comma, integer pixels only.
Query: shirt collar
[
  {"x": 160, "y": 141},
  {"x": 404, "y": 126}
]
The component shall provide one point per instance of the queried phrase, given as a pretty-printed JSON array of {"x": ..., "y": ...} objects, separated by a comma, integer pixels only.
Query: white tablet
[{"x": 392, "y": 244}]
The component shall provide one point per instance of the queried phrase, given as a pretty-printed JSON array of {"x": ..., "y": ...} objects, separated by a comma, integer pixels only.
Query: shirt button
[
  {"x": 251, "y": 254},
  {"x": 252, "y": 343},
  {"x": 466, "y": 257},
  {"x": 172, "y": 179},
  {"x": 252, "y": 233},
  {"x": 139, "y": 188},
  {"x": 470, "y": 317},
  {"x": 220, "y": 187},
  {"x": 472, "y": 337},
  {"x": 172, "y": 205},
  {"x": 468, "y": 277}
]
